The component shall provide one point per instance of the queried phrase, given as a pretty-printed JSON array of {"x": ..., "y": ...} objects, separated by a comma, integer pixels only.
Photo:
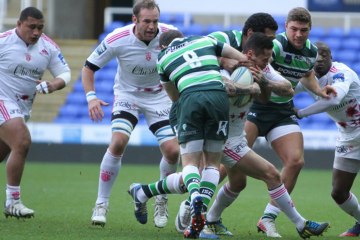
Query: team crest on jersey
[
  {"x": 339, "y": 77},
  {"x": 148, "y": 56},
  {"x": 288, "y": 59},
  {"x": 27, "y": 57}
]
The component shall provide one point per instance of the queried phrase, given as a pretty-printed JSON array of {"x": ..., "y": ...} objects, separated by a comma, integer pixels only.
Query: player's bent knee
[{"x": 339, "y": 195}]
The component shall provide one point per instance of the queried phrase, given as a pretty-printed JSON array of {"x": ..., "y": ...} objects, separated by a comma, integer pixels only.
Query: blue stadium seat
[
  {"x": 194, "y": 29},
  {"x": 112, "y": 65},
  {"x": 348, "y": 57},
  {"x": 214, "y": 28},
  {"x": 235, "y": 27},
  {"x": 105, "y": 87},
  {"x": 317, "y": 31},
  {"x": 303, "y": 102},
  {"x": 351, "y": 43},
  {"x": 280, "y": 19},
  {"x": 355, "y": 32},
  {"x": 102, "y": 36},
  {"x": 106, "y": 96},
  {"x": 336, "y": 32},
  {"x": 78, "y": 87},
  {"x": 356, "y": 67},
  {"x": 76, "y": 98},
  {"x": 173, "y": 18},
  {"x": 334, "y": 43},
  {"x": 334, "y": 54},
  {"x": 69, "y": 110},
  {"x": 113, "y": 25},
  {"x": 105, "y": 74}
]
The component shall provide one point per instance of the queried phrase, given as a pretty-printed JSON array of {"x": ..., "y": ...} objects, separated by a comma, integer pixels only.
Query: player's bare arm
[
  {"x": 234, "y": 89},
  {"x": 94, "y": 104},
  {"x": 310, "y": 82}
]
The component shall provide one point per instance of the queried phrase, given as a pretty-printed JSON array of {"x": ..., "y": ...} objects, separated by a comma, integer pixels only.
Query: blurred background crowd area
[{"x": 78, "y": 26}]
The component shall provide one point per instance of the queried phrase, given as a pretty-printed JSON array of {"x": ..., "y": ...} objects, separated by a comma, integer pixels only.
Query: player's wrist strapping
[{"x": 91, "y": 95}]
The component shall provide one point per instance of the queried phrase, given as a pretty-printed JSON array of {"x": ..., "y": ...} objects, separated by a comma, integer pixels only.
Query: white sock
[
  {"x": 166, "y": 168},
  {"x": 12, "y": 193},
  {"x": 271, "y": 209},
  {"x": 174, "y": 184},
  {"x": 351, "y": 207},
  {"x": 282, "y": 198},
  {"x": 109, "y": 169},
  {"x": 224, "y": 198}
]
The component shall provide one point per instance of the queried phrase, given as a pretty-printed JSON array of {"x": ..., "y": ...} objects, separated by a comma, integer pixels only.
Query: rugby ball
[{"x": 243, "y": 76}]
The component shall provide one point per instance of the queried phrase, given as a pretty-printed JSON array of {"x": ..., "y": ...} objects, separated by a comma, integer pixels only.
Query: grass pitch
[{"x": 63, "y": 196}]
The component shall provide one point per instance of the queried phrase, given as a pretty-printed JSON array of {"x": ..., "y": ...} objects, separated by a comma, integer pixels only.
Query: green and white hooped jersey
[
  {"x": 233, "y": 38},
  {"x": 191, "y": 63},
  {"x": 290, "y": 62}
]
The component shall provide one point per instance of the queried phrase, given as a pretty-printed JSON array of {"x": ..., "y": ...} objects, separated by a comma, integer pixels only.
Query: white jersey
[
  {"x": 21, "y": 65},
  {"x": 347, "y": 113},
  {"x": 137, "y": 60}
]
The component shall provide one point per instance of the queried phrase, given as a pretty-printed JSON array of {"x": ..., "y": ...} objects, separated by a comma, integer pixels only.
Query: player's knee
[
  {"x": 238, "y": 185},
  {"x": 272, "y": 176},
  {"x": 170, "y": 149},
  {"x": 295, "y": 163},
  {"x": 22, "y": 146},
  {"x": 339, "y": 195}
]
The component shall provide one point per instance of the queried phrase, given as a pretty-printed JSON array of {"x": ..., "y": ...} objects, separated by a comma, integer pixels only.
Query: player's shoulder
[
  {"x": 119, "y": 34},
  {"x": 48, "y": 42},
  {"x": 163, "y": 27},
  {"x": 338, "y": 67},
  {"x": 7, "y": 35}
]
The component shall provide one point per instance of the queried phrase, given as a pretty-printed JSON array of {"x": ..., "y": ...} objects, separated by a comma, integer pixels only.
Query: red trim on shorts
[
  {"x": 232, "y": 154},
  {"x": 3, "y": 111}
]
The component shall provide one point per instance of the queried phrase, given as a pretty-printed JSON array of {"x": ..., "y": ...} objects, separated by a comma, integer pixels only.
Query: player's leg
[
  {"x": 168, "y": 165},
  {"x": 156, "y": 111},
  {"x": 15, "y": 135},
  {"x": 344, "y": 174},
  {"x": 4, "y": 150},
  {"x": 235, "y": 149},
  {"x": 122, "y": 124},
  {"x": 287, "y": 142},
  {"x": 252, "y": 132}
]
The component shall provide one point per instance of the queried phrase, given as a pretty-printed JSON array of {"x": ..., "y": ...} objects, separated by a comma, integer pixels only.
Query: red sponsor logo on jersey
[
  {"x": 27, "y": 57},
  {"x": 148, "y": 56}
]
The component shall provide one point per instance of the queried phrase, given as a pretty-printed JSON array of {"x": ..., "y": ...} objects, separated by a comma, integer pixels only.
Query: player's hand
[
  {"x": 229, "y": 64},
  {"x": 255, "y": 90},
  {"x": 44, "y": 87},
  {"x": 328, "y": 91},
  {"x": 258, "y": 75},
  {"x": 296, "y": 113},
  {"x": 96, "y": 113}
]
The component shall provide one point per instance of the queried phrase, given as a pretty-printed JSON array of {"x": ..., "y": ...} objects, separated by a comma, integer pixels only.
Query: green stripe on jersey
[
  {"x": 191, "y": 61},
  {"x": 233, "y": 38}
]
